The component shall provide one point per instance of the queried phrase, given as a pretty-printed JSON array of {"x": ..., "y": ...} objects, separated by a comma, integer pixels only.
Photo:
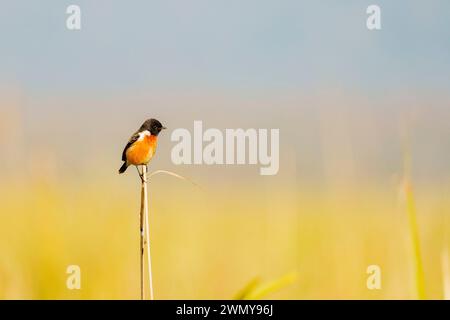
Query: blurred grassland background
[
  {"x": 326, "y": 220},
  {"x": 362, "y": 115}
]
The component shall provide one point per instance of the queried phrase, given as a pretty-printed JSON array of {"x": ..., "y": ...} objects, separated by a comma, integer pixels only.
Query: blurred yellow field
[{"x": 205, "y": 248}]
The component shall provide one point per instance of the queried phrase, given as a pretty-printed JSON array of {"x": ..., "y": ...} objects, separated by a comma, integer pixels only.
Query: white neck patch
[{"x": 143, "y": 134}]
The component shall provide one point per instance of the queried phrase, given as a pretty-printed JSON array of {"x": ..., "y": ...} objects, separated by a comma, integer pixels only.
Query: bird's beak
[{"x": 163, "y": 128}]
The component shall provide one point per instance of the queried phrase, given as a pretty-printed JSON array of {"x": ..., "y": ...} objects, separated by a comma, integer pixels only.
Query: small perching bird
[
  {"x": 141, "y": 147},
  {"x": 139, "y": 150}
]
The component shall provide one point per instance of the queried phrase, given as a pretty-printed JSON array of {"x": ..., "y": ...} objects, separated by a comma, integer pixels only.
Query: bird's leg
[{"x": 140, "y": 174}]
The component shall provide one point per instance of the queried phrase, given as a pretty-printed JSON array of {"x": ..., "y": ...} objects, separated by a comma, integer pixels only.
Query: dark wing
[{"x": 132, "y": 140}]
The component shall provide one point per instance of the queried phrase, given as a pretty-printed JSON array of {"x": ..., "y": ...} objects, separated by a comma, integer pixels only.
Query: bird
[{"x": 141, "y": 147}]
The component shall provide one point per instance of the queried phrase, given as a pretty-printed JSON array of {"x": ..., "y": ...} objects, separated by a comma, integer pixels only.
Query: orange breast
[{"x": 142, "y": 151}]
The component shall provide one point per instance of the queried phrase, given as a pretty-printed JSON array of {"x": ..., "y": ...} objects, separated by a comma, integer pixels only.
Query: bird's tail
[{"x": 123, "y": 168}]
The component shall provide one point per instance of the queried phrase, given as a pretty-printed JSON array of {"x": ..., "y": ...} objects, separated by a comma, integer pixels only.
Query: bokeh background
[{"x": 364, "y": 119}]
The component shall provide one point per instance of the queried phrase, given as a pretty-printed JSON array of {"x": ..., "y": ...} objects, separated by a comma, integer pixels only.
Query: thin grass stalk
[
  {"x": 147, "y": 234},
  {"x": 445, "y": 263},
  {"x": 254, "y": 290},
  {"x": 141, "y": 230},
  {"x": 419, "y": 276},
  {"x": 414, "y": 233},
  {"x": 144, "y": 219},
  {"x": 249, "y": 288},
  {"x": 173, "y": 174}
]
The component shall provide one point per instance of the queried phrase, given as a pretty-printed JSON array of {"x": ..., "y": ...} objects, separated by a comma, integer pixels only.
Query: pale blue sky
[
  {"x": 251, "y": 63},
  {"x": 253, "y": 44}
]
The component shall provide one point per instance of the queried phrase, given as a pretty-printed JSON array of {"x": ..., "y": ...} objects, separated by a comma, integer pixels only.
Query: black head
[{"x": 152, "y": 125}]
